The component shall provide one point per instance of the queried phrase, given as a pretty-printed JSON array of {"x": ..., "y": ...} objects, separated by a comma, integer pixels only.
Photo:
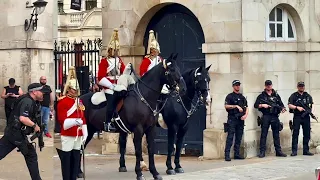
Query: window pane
[
  {"x": 272, "y": 15},
  {"x": 279, "y": 14},
  {"x": 290, "y": 30},
  {"x": 272, "y": 30},
  {"x": 279, "y": 30}
]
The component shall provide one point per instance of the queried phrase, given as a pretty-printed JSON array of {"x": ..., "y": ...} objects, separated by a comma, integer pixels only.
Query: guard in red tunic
[
  {"x": 152, "y": 58},
  {"x": 110, "y": 69},
  {"x": 149, "y": 61},
  {"x": 70, "y": 113}
]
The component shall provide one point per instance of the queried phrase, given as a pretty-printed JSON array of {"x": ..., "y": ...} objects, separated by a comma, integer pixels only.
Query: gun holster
[
  {"x": 280, "y": 126},
  {"x": 291, "y": 125},
  {"x": 225, "y": 127},
  {"x": 259, "y": 121},
  {"x": 22, "y": 146}
]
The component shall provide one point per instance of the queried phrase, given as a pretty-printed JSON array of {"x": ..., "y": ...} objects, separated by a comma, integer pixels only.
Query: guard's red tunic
[
  {"x": 108, "y": 64},
  {"x": 67, "y": 107}
]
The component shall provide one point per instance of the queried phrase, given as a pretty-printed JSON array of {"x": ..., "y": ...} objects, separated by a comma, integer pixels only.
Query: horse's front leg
[
  {"x": 171, "y": 138},
  {"x": 150, "y": 134},
  {"x": 180, "y": 136},
  {"x": 137, "y": 140},
  {"x": 123, "y": 145}
]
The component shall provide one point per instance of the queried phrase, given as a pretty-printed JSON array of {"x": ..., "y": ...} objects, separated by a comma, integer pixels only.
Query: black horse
[
  {"x": 139, "y": 109},
  {"x": 176, "y": 113}
]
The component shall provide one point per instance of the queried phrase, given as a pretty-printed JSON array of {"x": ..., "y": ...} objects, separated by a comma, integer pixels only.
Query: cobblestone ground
[{"x": 269, "y": 168}]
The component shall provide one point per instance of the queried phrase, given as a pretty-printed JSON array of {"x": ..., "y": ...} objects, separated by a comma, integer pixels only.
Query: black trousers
[
  {"x": 305, "y": 123},
  {"x": 69, "y": 163},
  {"x": 274, "y": 121},
  {"x": 7, "y": 145},
  {"x": 236, "y": 126},
  {"x": 7, "y": 110}
]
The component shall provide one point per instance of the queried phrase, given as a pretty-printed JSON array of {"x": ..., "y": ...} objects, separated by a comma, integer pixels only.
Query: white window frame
[{"x": 285, "y": 26}]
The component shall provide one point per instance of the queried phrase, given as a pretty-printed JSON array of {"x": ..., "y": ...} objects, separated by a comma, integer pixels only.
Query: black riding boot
[
  {"x": 109, "y": 126},
  {"x": 65, "y": 158}
]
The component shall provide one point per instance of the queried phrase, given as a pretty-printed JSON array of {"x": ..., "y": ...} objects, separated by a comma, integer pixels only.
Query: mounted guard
[
  {"x": 149, "y": 61},
  {"x": 110, "y": 69},
  {"x": 70, "y": 112}
]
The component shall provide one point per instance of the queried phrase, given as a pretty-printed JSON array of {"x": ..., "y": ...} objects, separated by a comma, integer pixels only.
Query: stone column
[{"x": 25, "y": 56}]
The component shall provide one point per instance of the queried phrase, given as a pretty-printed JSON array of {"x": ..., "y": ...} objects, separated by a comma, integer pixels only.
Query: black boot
[
  {"x": 280, "y": 154},
  {"x": 75, "y": 161},
  {"x": 111, "y": 107},
  {"x": 262, "y": 154},
  {"x": 238, "y": 156},
  {"x": 294, "y": 153},
  {"x": 65, "y": 158},
  {"x": 227, "y": 158},
  {"x": 308, "y": 153}
]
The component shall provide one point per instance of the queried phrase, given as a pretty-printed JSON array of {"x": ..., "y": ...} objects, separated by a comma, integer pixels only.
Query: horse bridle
[
  {"x": 156, "y": 111},
  {"x": 199, "y": 99}
]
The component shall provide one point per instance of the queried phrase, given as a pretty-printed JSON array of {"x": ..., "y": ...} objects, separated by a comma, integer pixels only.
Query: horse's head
[
  {"x": 201, "y": 83},
  {"x": 173, "y": 76}
]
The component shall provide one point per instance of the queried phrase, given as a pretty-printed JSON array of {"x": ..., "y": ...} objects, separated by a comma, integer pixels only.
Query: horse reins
[{"x": 155, "y": 111}]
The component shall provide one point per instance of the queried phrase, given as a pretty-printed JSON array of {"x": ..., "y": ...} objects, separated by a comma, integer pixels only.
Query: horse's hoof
[
  {"x": 170, "y": 172},
  {"x": 141, "y": 178},
  {"x": 122, "y": 169},
  {"x": 80, "y": 175},
  {"x": 179, "y": 170},
  {"x": 158, "y": 177}
]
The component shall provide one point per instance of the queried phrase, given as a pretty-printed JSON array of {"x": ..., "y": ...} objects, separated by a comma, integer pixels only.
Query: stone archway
[{"x": 179, "y": 31}]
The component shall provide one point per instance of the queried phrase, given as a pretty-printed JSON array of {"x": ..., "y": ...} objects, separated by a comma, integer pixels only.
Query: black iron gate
[
  {"x": 83, "y": 55},
  {"x": 179, "y": 31}
]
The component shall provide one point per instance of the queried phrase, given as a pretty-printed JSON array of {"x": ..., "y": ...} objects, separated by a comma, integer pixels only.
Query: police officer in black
[
  {"x": 236, "y": 106},
  {"x": 297, "y": 110},
  {"x": 20, "y": 124},
  {"x": 270, "y": 117}
]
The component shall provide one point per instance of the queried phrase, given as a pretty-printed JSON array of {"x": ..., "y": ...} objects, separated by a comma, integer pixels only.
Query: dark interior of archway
[{"x": 179, "y": 31}]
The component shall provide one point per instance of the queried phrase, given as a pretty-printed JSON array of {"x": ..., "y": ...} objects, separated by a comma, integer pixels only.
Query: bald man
[{"x": 46, "y": 105}]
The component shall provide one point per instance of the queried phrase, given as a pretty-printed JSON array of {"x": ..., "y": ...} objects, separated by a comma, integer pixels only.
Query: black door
[{"x": 179, "y": 31}]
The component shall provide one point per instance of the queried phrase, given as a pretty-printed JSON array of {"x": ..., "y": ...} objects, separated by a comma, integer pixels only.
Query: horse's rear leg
[
  {"x": 171, "y": 138},
  {"x": 123, "y": 145},
  {"x": 180, "y": 136},
  {"x": 150, "y": 134},
  {"x": 137, "y": 140},
  {"x": 91, "y": 132}
]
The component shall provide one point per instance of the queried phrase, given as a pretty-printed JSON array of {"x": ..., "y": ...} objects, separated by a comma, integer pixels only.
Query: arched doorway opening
[{"x": 179, "y": 31}]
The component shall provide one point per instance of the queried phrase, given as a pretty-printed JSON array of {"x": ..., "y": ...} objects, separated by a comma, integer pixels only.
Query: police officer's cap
[
  {"x": 300, "y": 84},
  {"x": 37, "y": 87},
  {"x": 268, "y": 82},
  {"x": 235, "y": 82}
]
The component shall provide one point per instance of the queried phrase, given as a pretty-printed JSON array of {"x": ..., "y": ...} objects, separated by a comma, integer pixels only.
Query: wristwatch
[{"x": 34, "y": 126}]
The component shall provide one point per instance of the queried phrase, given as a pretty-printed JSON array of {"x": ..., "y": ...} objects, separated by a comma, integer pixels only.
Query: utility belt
[
  {"x": 17, "y": 134},
  {"x": 17, "y": 126}
]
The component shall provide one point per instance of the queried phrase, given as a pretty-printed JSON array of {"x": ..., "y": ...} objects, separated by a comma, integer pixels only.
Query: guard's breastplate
[{"x": 114, "y": 63}]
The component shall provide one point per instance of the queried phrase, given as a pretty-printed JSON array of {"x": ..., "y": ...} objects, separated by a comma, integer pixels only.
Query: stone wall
[
  {"x": 25, "y": 56},
  {"x": 236, "y": 46}
]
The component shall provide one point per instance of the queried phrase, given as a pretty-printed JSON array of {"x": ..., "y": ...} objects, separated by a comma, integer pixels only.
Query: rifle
[
  {"x": 274, "y": 106},
  {"x": 308, "y": 111},
  {"x": 39, "y": 134}
]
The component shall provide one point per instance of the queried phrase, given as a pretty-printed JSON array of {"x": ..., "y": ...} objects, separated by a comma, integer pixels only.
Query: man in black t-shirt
[
  {"x": 46, "y": 105},
  {"x": 20, "y": 124}
]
